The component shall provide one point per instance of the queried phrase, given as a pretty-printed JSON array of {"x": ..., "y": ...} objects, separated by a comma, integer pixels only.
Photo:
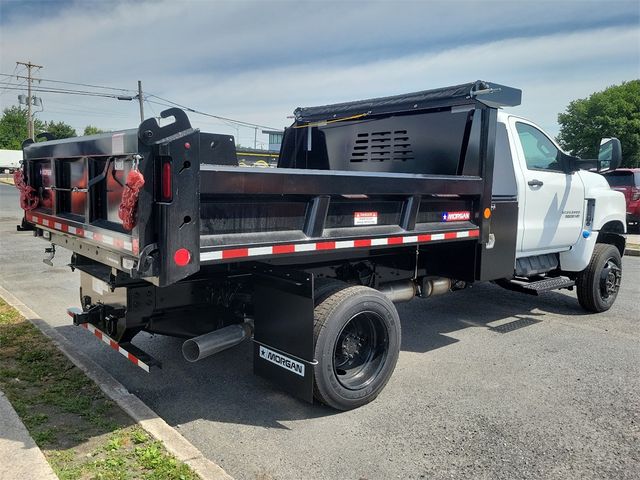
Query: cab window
[
  {"x": 504, "y": 178},
  {"x": 539, "y": 152}
]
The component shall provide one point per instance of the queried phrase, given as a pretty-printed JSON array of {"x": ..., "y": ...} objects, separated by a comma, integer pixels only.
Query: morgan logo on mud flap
[{"x": 282, "y": 361}]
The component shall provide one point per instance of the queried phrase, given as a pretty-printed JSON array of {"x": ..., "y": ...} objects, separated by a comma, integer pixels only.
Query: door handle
[{"x": 535, "y": 183}]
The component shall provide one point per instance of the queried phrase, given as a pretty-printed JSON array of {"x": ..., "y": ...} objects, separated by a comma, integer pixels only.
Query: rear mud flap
[{"x": 283, "y": 338}]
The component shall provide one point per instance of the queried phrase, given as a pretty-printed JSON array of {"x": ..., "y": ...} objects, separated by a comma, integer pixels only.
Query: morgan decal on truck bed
[{"x": 455, "y": 216}]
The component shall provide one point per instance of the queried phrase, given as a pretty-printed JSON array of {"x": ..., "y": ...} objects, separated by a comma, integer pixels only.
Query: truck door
[{"x": 553, "y": 201}]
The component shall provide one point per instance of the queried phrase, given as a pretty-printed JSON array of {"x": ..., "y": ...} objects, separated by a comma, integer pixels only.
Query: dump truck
[{"x": 372, "y": 202}]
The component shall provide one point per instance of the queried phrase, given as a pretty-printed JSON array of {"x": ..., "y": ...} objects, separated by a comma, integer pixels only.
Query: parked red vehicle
[{"x": 627, "y": 181}]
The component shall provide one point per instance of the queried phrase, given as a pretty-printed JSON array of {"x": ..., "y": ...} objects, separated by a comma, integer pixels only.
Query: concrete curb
[
  {"x": 633, "y": 245},
  {"x": 20, "y": 457},
  {"x": 175, "y": 443}
]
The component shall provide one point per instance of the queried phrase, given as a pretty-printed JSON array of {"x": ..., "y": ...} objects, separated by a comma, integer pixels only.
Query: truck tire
[
  {"x": 357, "y": 342},
  {"x": 598, "y": 284},
  {"x": 323, "y": 287}
]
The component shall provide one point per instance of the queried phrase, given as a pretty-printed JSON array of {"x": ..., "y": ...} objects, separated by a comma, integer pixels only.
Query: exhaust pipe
[
  {"x": 435, "y": 286},
  {"x": 205, "y": 345},
  {"x": 402, "y": 291}
]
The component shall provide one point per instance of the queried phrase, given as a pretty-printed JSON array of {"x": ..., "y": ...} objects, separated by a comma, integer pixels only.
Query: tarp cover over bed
[{"x": 491, "y": 94}]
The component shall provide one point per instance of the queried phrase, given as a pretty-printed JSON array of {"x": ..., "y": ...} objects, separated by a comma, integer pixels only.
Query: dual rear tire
[{"x": 357, "y": 342}]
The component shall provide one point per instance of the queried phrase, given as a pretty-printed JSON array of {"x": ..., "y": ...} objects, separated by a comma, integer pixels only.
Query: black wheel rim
[
  {"x": 610, "y": 277},
  {"x": 360, "y": 350}
]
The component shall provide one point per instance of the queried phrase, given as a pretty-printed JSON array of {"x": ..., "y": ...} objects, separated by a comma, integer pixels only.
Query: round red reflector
[{"x": 182, "y": 257}]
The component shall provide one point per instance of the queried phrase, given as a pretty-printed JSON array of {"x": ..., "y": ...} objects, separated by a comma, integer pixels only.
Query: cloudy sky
[{"x": 257, "y": 61}]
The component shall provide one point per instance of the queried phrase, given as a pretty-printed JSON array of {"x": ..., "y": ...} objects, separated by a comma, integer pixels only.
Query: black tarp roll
[{"x": 491, "y": 94}]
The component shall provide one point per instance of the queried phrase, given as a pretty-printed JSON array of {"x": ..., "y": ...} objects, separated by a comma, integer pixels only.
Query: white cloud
[{"x": 257, "y": 62}]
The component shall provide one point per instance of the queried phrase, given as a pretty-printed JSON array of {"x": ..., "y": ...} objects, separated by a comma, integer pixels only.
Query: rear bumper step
[{"x": 132, "y": 353}]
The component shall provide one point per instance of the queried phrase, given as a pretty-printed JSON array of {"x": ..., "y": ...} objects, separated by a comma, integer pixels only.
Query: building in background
[{"x": 275, "y": 139}]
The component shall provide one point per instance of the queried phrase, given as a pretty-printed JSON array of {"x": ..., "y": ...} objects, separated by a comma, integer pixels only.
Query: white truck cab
[{"x": 564, "y": 212}]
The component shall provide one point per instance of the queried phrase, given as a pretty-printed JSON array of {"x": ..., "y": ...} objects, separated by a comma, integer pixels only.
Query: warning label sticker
[
  {"x": 456, "y": 216},
  {"x": 117, "y": 143},
  {"x": 365, "y": 218}
]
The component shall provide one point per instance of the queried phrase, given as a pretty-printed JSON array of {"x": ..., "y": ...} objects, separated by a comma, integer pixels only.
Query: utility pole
[
  {"x": 255, "y": 138},
  {"x": 141, "y": 101},
  {"x": 29, "y": 79}
]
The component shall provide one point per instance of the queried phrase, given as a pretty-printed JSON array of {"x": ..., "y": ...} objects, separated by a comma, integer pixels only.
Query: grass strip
[{"x": 82, "y": 433}]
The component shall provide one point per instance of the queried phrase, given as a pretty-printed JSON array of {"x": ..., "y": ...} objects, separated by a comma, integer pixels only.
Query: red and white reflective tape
[
  {"x": 129, "y": 244},
  {"x": 231, "y": 253},
  {"x": 116, "y": 346}
]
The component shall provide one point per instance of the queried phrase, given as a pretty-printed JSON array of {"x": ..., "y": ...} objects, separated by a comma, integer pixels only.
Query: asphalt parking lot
[{"x": 490, "y": 384}]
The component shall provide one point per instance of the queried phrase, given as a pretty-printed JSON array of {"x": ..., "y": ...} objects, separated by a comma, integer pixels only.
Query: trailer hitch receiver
[{"x": 91, "y": 315}]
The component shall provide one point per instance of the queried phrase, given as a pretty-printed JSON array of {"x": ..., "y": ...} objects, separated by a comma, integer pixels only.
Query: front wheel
[
  {"x": 598, "y": 284},
  {"x": 357, "y": 342}
]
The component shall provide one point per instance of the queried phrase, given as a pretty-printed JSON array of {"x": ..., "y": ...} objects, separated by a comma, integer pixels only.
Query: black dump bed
[{"x": 352, "y": 179}]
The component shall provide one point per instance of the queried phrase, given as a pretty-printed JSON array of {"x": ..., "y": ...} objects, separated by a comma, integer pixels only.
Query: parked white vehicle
[{"x": 10, "y": 160}]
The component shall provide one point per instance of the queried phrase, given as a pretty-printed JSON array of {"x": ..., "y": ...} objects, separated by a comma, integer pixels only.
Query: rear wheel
[
  {"x": 324, "y": 287},
  {"x": 357, "y": 342},
  {"x": 598, "y": 284}
]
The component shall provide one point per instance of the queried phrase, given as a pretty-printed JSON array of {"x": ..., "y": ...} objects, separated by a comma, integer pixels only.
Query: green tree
[
  {"x": 91, "y": 130},
  {"x": 60, "y": 130},
  {"x": 13, "y": 127},
  {"x": 613, "y": 112}
]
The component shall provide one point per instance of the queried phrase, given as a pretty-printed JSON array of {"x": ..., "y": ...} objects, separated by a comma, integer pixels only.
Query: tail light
[
  {"x": 182, "y": 257},
  {"x": 166, "y": 186},
  {"x": 635, "y": 193}
]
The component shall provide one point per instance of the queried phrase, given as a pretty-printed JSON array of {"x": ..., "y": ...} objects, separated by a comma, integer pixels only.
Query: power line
[
  {"x": 193, "y": 110},
  {"x": 151, "y": 107},
  {"x": 77, "y": 112},
  {"x": 85, "y": 85},
  {"x": 64, "y": 91},
  {"x": 69, "y": 91},
  {"x": 15, "y": 73},
  {"x": 5, "y": 89},
  {"x": 87, "y": 108},
  {"x": 168, "y": 103},
  {"x": 75, "y": 83}
]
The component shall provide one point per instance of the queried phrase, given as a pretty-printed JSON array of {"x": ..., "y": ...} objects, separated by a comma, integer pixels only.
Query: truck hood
[
  {"x": 610, "y": 204},
  {"x": 593, "y": 180}
]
